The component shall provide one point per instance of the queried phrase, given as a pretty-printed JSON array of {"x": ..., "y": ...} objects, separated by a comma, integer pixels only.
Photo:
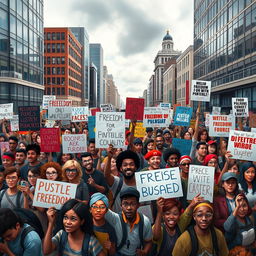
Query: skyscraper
[{"x": 21, "y": 52}]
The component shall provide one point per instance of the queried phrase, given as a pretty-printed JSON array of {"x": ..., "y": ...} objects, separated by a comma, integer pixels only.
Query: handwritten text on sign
[
  {"x": 80, "y": 114},
  {"x": 110, "y": 129},
  {"x": 240, "y": 107},
  {"x": 156, "y": 117},
  {"x": 6, "y": 111},
  {"x": 50, "y": 139},
  {"x": 46, "y": 99},
  {"x": 200, "y": 90},
  {"x": 134, "y": 108},
  {"x": 220, "y": 125},
  {"x": 200, "y": 180},
  {"x": 29, "y": 118},
  {"x": 159, "y": 183},
  {"x": 53, "y": 193},
  {"x": 74, "y": 143},
  {"x": 242, "y": 145},
  {"x": 60, "y": 110}
]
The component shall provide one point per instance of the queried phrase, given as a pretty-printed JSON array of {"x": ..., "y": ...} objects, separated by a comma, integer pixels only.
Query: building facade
[
  {"x": 63, "y": 65},
  {"x": 93, "y": 86},
  {"x": 21, "y": 52},
  {"x": 151, "y": 91},
  {"x": 225, "y": 49}
]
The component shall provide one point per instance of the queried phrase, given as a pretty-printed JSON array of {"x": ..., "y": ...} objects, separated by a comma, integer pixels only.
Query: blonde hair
[{"x": 68, "y": 165}]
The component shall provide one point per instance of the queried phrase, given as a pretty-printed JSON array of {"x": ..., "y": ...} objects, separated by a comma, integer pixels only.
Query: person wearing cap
[
  {"x": 210, "y": 240},
  {"x": 224, "y": 205},
  {"x": 211, "y": 160},
  {"x": 104, "y": 232},
  {"x": 201, "y": 152},
  {"x": 154, "y": 160},
  {"x": 212, "y": 146},
  {"x": 131, "y": 241},
  {"x": 167, "y": 137},
  {"x": 171, "y": 157}
]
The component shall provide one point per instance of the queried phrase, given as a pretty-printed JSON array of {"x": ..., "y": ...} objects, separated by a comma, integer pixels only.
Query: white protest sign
[
  {"x": 60, "y": 110},
  {"x": 153, "y": 184},
  {"x": 165, "y": 105},
  {"x": 110, "y": 129},
  {"x": 201, "y": 180},
  {"x": 6, "y": 111},
  {"x": 156, "y": 117},
  {"x": 127, "y": 123},
  {"x": 80, "y": 114},
  {"x": 50, "y": 193},
  {"x": 216, "y": 110},
  {"x": 220, "y": 125},
  {"x": 46, "y": 99},
  {"x": 200, "y": 90},
  {"x": 106, "y": 108},
  {"x": 14, "y": 122},
  {"x": 242, "y": 145},
  {"x": 240, "y": 107},
  {"x": 74, "y": 143}
]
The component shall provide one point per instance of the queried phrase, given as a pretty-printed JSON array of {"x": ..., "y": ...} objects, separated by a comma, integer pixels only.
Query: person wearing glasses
[
  {"x": 72, "y": 173},
  {"x": 51, "y": 171},
  {"x": 104, "y": 232}
]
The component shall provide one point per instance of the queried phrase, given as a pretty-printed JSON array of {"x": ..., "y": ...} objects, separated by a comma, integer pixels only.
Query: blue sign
[
  {"x": 184, "y": 146},
  {"x": 182, "y": 116},
  {"x": 91, "y": 126}
]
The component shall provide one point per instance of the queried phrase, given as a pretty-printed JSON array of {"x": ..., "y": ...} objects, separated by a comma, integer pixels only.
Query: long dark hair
[{"x": 242, "y": 180}]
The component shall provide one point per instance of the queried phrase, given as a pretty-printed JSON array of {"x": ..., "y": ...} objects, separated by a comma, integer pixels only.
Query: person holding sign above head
[
  {"x": 154, "y": 160},
  {"x": 202, "y": 238}
]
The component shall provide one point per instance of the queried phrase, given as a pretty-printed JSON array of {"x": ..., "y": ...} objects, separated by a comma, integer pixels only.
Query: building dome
[{"x": 167, "y": 36}]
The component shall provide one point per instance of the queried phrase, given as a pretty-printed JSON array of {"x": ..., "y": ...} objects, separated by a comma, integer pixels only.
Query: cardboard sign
[
  {"x": 139, "y": 131},
  {"x": 156, "y": 117},
  {"x": 182, "y": 116},
  {"x": 29, "y": 118},
  {"x": 220, "y": 125},
  {"x": 216, "y": 110},
  {"x": 240, "y": 107},
  {"x": 74, "y": 143},
  {"x": 184, "y": 146},
  {"x": 50, "y": 193},
  {"x": 4, "y": 147},
  {"x": 14, "y": 123},
  {"x": 201, "y": 180},
  {"x": 159, "y": 183},
  {"x": 165, "y": 105},
  {"x": 106, "y": 108},
  {"x": 94, "y": 111},
  {"x": 6, "y": 111},
  {"x": 110, "y": 129},
  {"x": 242, "y": 145},
  {"x": 50, "y": 139},
  {"x": 200, "y": 90},
  {"x": 80, "y": 114},
  {"x": 60, "y": 110},
  {"x": 134, "y": 108},
  {"x": 46, "y": 99},
  {"x": 91, "y": 126}
]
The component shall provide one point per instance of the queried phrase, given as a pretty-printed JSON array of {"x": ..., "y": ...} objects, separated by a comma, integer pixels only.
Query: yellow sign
[{"x": 140, "y": 131}]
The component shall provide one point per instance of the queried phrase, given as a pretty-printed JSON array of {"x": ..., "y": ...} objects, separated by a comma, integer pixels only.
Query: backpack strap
[
  {"x": 2, "y": 195},
  {"x": 124, "y": 232},
  {"x": 214, "y": 242},
  {"x": 141, "y": 229},
  {"x": 194, "y": 241},
  {"x": 24, "y": 233},
  {"x": 18, "y": 199},
  {"x": 119, "y": 186},
  {"x": 86, "y": 242},
  {"x": 63, "y": 241}
]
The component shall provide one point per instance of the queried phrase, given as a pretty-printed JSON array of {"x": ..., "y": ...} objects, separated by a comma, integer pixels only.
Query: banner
[
  {"x": 220, "y": 125},
  {"x": 240, "y": 107},
  {"x": 200, "y": 90},
  {"x": 29, "y": 118},
  {"x": 46, "y": 99},
  {"x": 156, "y": 117},
  {"x": 159, "y": 183},
  {"x": 165, "y": 105},
  {"x": 6, "y": 111},
  {"x": 74, "y": 143},
  {"x": 242, "y": 145},
  {"x": 110, "y": 129},
  {"x": 134, "y": 108},
  {"x": 182, "y": 116},
  {"x": 60, "y": 110},
  {"x": 91, "y": 126},
  {"x": 106, "y": 108},
  {"x": 139, "y": 131},
  {"x": 50, "y": 139},
  {"x": 201, "y": 180},
  {"x": 14, "y": 123},
  {"x": 216, "y": 110},
  {"x": 184, "y": 146},
  {"x": 80, "y": 114},
  {"x": 50, "y": 193}
]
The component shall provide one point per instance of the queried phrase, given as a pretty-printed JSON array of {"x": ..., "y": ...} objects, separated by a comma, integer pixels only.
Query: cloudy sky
[{"x": 130, "y": 32}]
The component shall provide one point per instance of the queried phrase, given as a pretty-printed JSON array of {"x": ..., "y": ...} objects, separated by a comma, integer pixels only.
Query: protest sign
[
  {"x": 91, "y": 126},
  {"x": 46, "y": 99},
  {"x": 216, "y": 110},
  {"x": 50, "y": 139},
  {"x": 200, "y": 90},
  {"x": 4, "y": 147},
  {"x": 14, "y": 123},
  {"x": 200, "y": 180},
  {"x": 6, "y": 111},
  {"x": 139, "y": 131},
  {"x": 50, "y": 193},
  {"x": 207, "y": 120},
  {"x": 182, "y": 116},
  {"x": 60, "y": 110},
  {"x": 110, "y": 129},
  {"x": 29, "y": 118},
  {"x": 242, "y": 145},
  {"x": 94, "y": 111},
  {"x": 80, "y": 114},
  {"x": 106, "y": 108},
  {"x": 253, "y": 130},
  {"x": 184, "y": 146},
  {"x": 127, "y": 123},
  {"x": 156, "y": 117},
  {"x": 165, "y": 105},
  {"x": 134, "y": 109},
  {"x": 74, "y": 143},
  {"x": 220, "y": 125},
  {"x": 159, "y": 183},
  {"x": 240, "y": 107}
]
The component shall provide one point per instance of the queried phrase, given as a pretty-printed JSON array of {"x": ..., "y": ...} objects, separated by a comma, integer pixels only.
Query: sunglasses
[{"x": 71, "y": 170}]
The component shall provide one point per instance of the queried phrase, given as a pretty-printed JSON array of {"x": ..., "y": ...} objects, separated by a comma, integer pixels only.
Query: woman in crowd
[
  {"x": 22, "y": 145},
  {"x": 211, "y": 160},
  {"x": 186, "y": 135},
  {"x": 51, "y": 171},
  {"x": 63, "y": 158}
]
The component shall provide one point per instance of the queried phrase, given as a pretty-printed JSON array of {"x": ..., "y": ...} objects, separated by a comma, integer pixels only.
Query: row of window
[
  {"x": 74, "y": 44},
  {"x": 74, "y": 54},
  {"x": 54, "y": 60},
  {"x": 75, "y": 84},
  {"x": 54, "y": 48},
  {"x": 73, "y": 65},
  {"x": 54, "y": 70},
  {"x": 74, "y": 93},
  {"x": 183, "y": 64},
  {"x": 54, "y": 36},
  {"x": 75, "y": 75},
  {"x": 55, "y": 91},
  {"x": 183, "y": 78},
  {"x": 54, "y": 80}
]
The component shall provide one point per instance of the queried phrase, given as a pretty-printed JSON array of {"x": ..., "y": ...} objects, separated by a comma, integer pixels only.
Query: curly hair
[
  {"x": 54, "y": 165},
  {"x": 71, "y": 164}
]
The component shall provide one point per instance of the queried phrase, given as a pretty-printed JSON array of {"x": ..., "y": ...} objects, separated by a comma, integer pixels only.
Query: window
[
  {"x": 62, "y": 47},
  {"x": 62, "y": 60},
  {"x": 58, "y": 47},
  {"x": 3, "y": 19},
  {"x": 48, "y": 60},
  {"x": 48, "y": 47},
  {"x": 62, "y": 36},
  {"x": 54, "y": 71},
  {"x": 53, "y": 36},
  {"x": 48, "y": 36},
  {"x": 53, "y": 48}
]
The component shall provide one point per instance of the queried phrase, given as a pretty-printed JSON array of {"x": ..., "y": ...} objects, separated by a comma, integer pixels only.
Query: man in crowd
[
  {"x": 137, "y": 147},
  {"x": 171, "y": 157},
  {"x": 8, "y": 159},
  {"x": 20, "y": 158},
  {"x": 94, "y": 152},
  {"x": 13, "y": 143},
  {"x": 201, "y": 152}
]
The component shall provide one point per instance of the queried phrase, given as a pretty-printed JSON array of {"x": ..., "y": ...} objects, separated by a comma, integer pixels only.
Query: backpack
[
  {"x": 125, "y": 234},
  {"x": 17, "y": 198},
  {"x": 194, "y": 241},
  {"x": 64, "y": 240},
  {"x": 119, "y": 187}
]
